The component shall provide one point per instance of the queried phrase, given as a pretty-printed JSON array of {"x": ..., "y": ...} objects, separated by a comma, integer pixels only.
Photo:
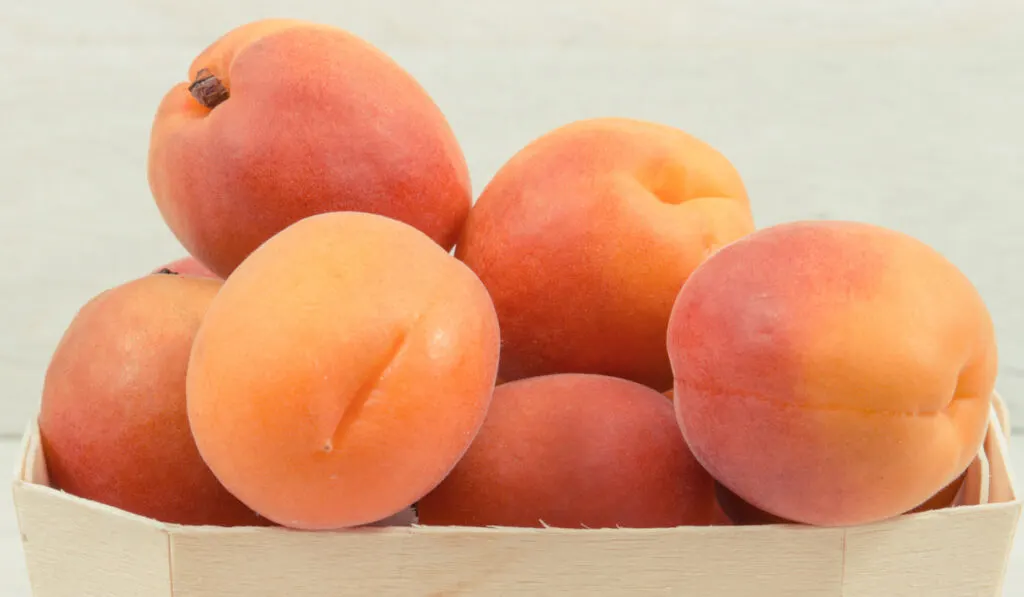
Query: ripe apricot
[
  {"x": 740, "y": 512},
  {"x": 342, "y": 370},
  {"x": 575, "y": 450},
  {"x": 586, "y": 235},
  {"x": 186, "y": 266},
  {"x": 113, "y": 421},
  {"x": 856, "y": 359},
  {"x": 284, "y": 119}
]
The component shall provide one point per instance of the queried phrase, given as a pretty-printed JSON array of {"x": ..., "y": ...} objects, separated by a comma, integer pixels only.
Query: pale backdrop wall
[{"x": 905, "y": 113}]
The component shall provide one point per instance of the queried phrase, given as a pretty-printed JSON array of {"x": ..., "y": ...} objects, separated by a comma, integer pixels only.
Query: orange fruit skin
[
  {"x": 317, "y": 120},
  {"x": 113, "y": 419},
  {"x": 585, "y": 236},
  {"x": 832, "y": 373},
  {"x": 342, "y": 371},
  {"x": 575, "y": 450},
  {"x": 736, "y": 511}
]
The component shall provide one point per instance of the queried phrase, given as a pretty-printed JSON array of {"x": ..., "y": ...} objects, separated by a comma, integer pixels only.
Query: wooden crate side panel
[
  {"x": 946, "y": 553},
  {"x": 74, "y": 548},
  {"x": 768, "y": 562}
]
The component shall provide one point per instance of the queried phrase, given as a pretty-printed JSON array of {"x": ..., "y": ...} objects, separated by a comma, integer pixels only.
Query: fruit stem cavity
[{"x": 208, "y": 89}]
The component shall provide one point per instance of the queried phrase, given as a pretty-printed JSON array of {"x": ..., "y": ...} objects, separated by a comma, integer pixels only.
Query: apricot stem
[
  {"x": 165, "y": 270},
  {"x": 208, "y": 89}
]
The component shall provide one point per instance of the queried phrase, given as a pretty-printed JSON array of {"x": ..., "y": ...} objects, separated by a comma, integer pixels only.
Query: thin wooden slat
[
  {"x": 977, "y": 480},
  {"x": 947, "y": 553},
  {"x": 32, "y": 465},
  {"x": 712, "y": 562},
  {"x": 1002, "y": 486}
]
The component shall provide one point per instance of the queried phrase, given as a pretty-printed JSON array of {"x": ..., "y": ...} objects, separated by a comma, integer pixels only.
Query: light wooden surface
[
  {"x": 14, "y": 582},
  {"x": 900, "y": 112}
]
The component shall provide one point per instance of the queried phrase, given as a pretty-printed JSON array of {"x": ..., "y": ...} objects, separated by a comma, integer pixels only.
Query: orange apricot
[
  {"x": 284, "y": 119},
  {"x": 832, "y": 373},
  {"x": 113, "y": 421},
  {"x": 586, "y": 235},
  {"x": 342, "y": 371},
  {"x": 575, "y": 450}
]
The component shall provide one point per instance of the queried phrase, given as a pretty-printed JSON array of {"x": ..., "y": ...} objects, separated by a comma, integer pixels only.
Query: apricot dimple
[{"x": 585, "y": 236}]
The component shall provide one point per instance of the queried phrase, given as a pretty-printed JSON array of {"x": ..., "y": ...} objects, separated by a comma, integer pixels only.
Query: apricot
[
  {"x": 342, "y": 371},
  {"x": 113, "y": 422},
  {"x": 832, "y": 373},
  {"x": 284, "y": 119},
  {"x": 186, "y": 266},
  {"x": 720, "y": 518},
  {"x": 575, "y": 450},
  {"x": 739, "y": 512},
  {"x": 585, "y": 236}
]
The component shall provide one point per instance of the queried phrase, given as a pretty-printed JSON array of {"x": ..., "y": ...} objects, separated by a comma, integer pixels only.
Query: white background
[{"x": 905, "y": 113}]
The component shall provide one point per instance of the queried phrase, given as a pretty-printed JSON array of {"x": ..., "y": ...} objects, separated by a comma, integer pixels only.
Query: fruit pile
[{"x": 602, "y": 339}]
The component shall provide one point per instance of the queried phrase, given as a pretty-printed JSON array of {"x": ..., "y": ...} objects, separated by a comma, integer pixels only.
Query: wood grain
[{"x": 405, "y": 562}]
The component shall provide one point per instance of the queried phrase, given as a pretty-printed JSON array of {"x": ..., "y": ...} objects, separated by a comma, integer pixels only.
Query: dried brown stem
[{"x": 208, "y": 89}]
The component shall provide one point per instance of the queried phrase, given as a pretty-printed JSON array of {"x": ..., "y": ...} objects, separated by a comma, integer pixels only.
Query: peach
[
  {"x": 342, "y": 371},
  {"x": 113, "y": 420},
  {"x": 586, "y": 235},
  {"x": 575, "y": 450},
  {"x": 186, "y": 266},
  {"x": 284, "y": 119},
  {"x": 832, "y": 373}
]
